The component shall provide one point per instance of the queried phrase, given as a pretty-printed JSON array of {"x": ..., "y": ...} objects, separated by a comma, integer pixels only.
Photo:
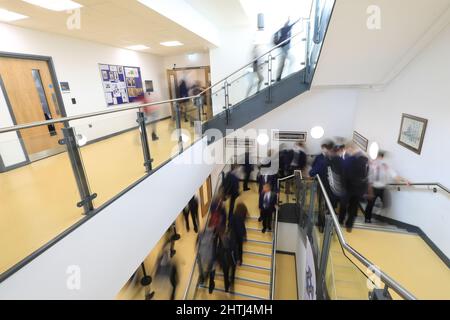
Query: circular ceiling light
[
  {"x": 374, "y": 150},
  {"x": 262, "y": 139},
  {"x": 317, "y": 132}
]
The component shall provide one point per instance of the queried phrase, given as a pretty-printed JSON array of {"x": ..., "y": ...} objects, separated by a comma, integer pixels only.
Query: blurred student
[
  {"x": 267, "y": 206},
  {"x": 256, "y": 74},
  {"x": 320, "y": 168},
  {"x": 356, "y": 169},
  {"x": 183, "y": 92},
  {"x": 380, "y": 175},
  {"x": 265, "y": 176},
  {"x": 285, "y": 157},
  {"x": 299, "y": 158},
  {"x": 248, "y": 168},
  {"x": 238, "y": 230},
  {"x": 151, "y": 113},
  {"x": 207, "y": 255},
  {"x": 226, "y": 258},
  {"x": 192, "y": 209},
  {"x": 231, "y": 188},
  {"x": 166, "y": 276},
  {"x": 282, "y": 38}
]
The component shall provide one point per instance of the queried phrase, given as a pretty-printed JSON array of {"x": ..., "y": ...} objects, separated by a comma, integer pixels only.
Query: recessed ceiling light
[
  {"x": 55, "y": 5},
  {"x": 171, "y": 43},
  {"x": 317, "y": 132},
  {"x": 8, "y": 16},
  {"x": 138, "y": 47}
]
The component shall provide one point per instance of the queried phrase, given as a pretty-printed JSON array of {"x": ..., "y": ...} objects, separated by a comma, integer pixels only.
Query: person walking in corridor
[
  {"x": 238, "y": 230},
  {"x": 248, "y": 168},
  {"x": 256, "y": 72},
  {"x": 282, "y": 37},
  {"x": 231, "y": 189},
  {"x": 267, "y": 206},
  {"x": 380, "y": 175},
  {"x": 192, "y": 209},
  {"x": 356, "y": 167}
]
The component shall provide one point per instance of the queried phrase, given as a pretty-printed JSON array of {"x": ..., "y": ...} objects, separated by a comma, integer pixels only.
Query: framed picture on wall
[
  {"x": 360, "y": 140},
  {"x": 412, "y": 132}
]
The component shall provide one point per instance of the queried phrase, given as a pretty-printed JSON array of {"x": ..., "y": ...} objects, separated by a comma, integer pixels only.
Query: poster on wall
[{"x": 121, "y": 84}]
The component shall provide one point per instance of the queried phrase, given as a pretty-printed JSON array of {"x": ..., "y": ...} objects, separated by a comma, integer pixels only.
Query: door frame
[
  {"x": 205, "y": 206},
  {"x": 58, "y": 94},
  {"x": 207, "y": 70}
]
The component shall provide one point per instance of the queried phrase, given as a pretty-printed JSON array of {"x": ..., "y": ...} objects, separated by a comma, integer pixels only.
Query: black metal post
[
  {"x": 73, "y": 151},
  {"x": 325, "y": 254},
  {"x": 270, "y": 80},
  {"x": 144, "y": 141},
  {"x": 226, "y": 87},
  {"x": 197, "y": 104},
  {"x": 178, "y": 124}
]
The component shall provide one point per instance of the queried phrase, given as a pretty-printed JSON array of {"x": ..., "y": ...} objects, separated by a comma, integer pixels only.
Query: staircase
[
  {"x": 258, "y": 104},
  {"x": 253, "y": 278},
  {"x": 345, "y": 281}
]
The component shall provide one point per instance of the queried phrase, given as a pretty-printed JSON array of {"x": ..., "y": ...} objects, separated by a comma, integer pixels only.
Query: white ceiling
[
  {"x": 221, "y": 12},
  {"x": 354, "y": 55},
  {"x": 119, "y": 23}
]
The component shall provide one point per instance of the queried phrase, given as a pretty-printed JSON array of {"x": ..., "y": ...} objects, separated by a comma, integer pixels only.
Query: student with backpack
[{"x": 282, "y": 37}]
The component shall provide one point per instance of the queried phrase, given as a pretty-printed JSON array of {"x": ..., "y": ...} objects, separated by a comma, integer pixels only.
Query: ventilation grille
[{"x": 290, "y": 136}]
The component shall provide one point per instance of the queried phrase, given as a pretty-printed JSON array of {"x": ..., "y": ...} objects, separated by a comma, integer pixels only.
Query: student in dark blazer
[
  {"x": 267, "y": 206},
  {"x": 231, "y": 189},
  {"x": 262, "y": 180}
]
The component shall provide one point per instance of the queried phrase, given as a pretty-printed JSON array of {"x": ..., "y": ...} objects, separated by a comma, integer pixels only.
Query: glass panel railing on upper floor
[
  {"x": 95, "y": 163},
  {"x": 60, "y": 172}
]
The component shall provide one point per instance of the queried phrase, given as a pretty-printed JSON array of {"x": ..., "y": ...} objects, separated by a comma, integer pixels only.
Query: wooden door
[
  {"x": 31, "y": 92},
  {"x": 205, "y": 196}
]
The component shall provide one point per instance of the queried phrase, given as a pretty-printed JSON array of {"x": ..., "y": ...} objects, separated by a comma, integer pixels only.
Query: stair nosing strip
[
  {"x": 256, "y": 267},
  {"x": 248, "y": 280},
  {"x": 235, "y": 293},
  {"x": 258, "y": 254},
  {"x": 260, "y": 241}
]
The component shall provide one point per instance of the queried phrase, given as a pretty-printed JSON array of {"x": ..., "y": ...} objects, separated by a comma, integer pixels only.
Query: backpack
[{"x": 277, "y": 38}]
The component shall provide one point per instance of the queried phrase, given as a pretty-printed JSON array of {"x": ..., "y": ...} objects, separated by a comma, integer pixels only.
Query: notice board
[{"x": 121, "y": 84}]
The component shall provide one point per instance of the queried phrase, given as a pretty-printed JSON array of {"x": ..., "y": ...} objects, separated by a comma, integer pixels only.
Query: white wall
[
  {"x": 194, "y": 59},
  {"x": 110, "y": 247},
  {"x": 333, "y": 109},
  {"x": 10, "y": 149},
  {"x": 422, "y": 89},
  {"x": 76, "y": 62}
]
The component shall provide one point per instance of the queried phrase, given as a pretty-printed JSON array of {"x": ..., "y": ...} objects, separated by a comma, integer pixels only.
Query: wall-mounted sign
[
  {"x": 149, "y": 86},
  {"x": 121, "y": 84},
  {"x": 360, "y": 141},
  {"x": 290, "y": 136},
  {"x": 65, "y": 88}
]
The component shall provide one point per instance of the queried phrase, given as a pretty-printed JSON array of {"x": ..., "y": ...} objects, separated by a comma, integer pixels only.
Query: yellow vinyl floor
[
  {"x": 407, "y": 259},
  {"x": 183, "y": 259},
  {"x": 285, "y": 277},
  {"x": 38, "y": 201}
]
